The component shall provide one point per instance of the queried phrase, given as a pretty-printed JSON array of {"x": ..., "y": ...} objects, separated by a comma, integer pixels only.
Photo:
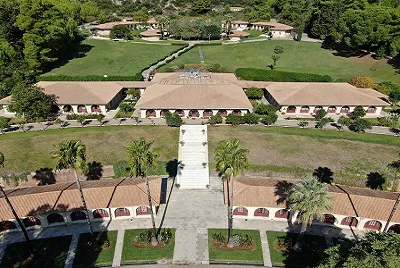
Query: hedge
[
  {"x": 279, "y": 76},
  {"x": 136, "y": 77}
]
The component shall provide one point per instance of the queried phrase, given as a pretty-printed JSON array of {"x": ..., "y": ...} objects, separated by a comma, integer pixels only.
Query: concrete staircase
[{"x": 193, "y": 172}]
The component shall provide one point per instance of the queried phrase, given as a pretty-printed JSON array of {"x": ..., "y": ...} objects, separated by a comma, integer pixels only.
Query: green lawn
[
  {"x": 295, "y": 152},
  {"x": 310, "y": 256},
  {"x": 131, "y": 253},
  {"x": 32, "y": 150},
  {"x": 87, "y": 257},
  {"x": 50, "y": 252},
  {"x": 251, "y": 256},
  {"x": 99, "y": 57},
  {"x": 305, "y": 57}
]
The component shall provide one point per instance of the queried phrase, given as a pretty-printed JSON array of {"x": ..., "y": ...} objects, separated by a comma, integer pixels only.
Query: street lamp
[{"x": 209, "y": 38}]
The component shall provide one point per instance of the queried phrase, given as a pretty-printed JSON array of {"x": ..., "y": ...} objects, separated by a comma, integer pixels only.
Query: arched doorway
[
  {"x": 261, "y": 212},
  {"x": 95, "y": 108},
  {"x": 331, "y": 109},
  {"x": 7, "y": 225},
  {"x": 350, "y": 221},
  {"x": 223, "y": 113},
  {"x": 329, "y": 219},
  {"x": 78, "y": 216},
  {"x": 282, "y": 214},
  {"x": 317, "y": 108},
  {"x": 237, "y": 112},
  {"x": 207, "y": 113},
  {"x": 395, "y": 228},
  {"x": 164, "y": 112},
  {"x": 150, "y": 113},
  {"x": 82, "y": 108},
  {"x": 240, "y": 211},
  {"x": 291, "y": 109},
  {"x": 143, "y": 210},
  {"x": 194, "y": 113},
  {"x": 371, "y": 110},
  {"x": 55, "y": 218},
  {"x": 100, "y": 213},
  {"x": 68, "y": 108},
  {"x": 305, "y": 109},
  {"x": 122, "y": 212},
  {"x": 345, "y": 110},
  {"x": 180, "y": 112},
  {"x": 373, "y": 225},
  {"x": 31, "y": 221},
  {"x": 55, "y": 109}
]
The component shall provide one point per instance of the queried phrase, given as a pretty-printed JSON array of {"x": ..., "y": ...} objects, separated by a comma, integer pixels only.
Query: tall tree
[
  {"x": 21, "y": 225},
  {"x": 163, "y": 21},
  {"x": 71, "y": 154},
  {"x": 310, "y": 200},
  {"x": 142, "y": 158},
  {"x": 395, "y": 166},
  {"x": 230, "y": 160}
]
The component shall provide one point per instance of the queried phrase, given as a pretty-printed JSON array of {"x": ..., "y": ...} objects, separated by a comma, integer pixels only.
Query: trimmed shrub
[
  {"x": 262, "y": 108},
  {"x": 173, "y": 120},
  {"x": 234, "y": 120},
  {"x": 215, "y": 119},
  {"x": 81, "y": 116},
  {"x": 360, "y": 125},
  {"x": 358, "y": 112},
  {"x": 136, "y": 77},
  {"x": 251, "y": 119},
  {"x": 121, "y": 169},
  {"x": 320, "y": 114},
  {"x": 254, "y": 93},
  {"x": 362, "y": 82},
  {"x": 279, "y": 76},
  {"x": 269, "y": 119}
]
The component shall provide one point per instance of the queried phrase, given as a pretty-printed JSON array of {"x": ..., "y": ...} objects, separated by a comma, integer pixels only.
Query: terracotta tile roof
[
  {"x": 238, "y": 34},
  {"x": 301, "y": 93},
  {"x": 351, "y": 201},
  {"x": 152, "y": 21},
  {"x": 240, "y": 22},
  {"x": 214, "y": 92},
  {"x": 274, "y": 25},
  {"x": 150, "y": 33},
  {"x": 110, "y": 25},
  {"x": 62, "y": 197}
]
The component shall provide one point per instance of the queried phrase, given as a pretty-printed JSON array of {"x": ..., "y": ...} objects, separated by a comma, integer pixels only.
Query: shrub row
[
  {"x": 136, "y": 77},
  {"x": 279, "y": 76},
  {"x": 85, "y": 116}
]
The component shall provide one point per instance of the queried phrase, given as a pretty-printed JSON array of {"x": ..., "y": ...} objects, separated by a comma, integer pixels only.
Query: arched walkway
[
  {"x": 54, "y": 109},
  {"x": 305, "y": 109},
  {"x": 68, "y": 109},
  {"x": 122, "y": 212},
  {"x": 78, "y": 216},
  {"x": 82, "y": 108},
  {"x": 7, "y": 225},
  {"x": 180, "y": 112},
  {"x": 345, "y": 110},
  {"x": 237, "y": 112},
  {"x": 331, "y": 109},
  {"x": 373, "y": 225},
  {"x": 194, "y": 113},
  {"x": 291, "y": 109},
  {"x": 395, "y": 228},
  {"x": 55, "y": 218},
  {"x": 31, "y": 221},
  {"x": 282, "y": 214},
  {"x": 95, "y": 108},
  {"x": 164, "y": 112},
  {"x": 223, "y": 113},
  {"x": 349, "y": 221},
  {"x": 261, "y": 212},
  {"x": 240, "y": 211},
  {"x": 371, "y": 110},
  {"x": 207, "y": 113},
  {"x": 317, "y": 108},
  {"x": 150, "y": 113},
  {"x": 329, "y": 219},
  {"x": 100, "y": 213},
  {"x": 143, "y": 210}
]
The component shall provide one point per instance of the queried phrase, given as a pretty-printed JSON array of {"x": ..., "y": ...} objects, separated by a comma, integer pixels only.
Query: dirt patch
[
  {"x": 141, "y": 245},
  {"x": 225, "y": 247}
]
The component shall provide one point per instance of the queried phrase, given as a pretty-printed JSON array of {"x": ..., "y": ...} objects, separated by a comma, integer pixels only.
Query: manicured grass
[
  {"x": 131, "y": 253},
  {"x": 312, "y": 250},
  {"x": 32, "y": 150},
  {"x": 279, "y": 151},
  {"x": 50, "y": 252},
  {"x": 100, "y": 57},
  {"x": 254, "y": 256},
  {"x": 304, "y": 57},
  {"x": 87, "y": 257}
]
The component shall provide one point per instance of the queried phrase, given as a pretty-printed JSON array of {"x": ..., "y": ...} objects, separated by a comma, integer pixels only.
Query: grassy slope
[
  {"x": 113, "y": 58},
  {"x": 32, "y": 150},
  {"x": 131, "y": 253},
  {"x": 292, "y": 150},
  {"x": 236, "y": 255},
  {"x": 297, "y": 57}
]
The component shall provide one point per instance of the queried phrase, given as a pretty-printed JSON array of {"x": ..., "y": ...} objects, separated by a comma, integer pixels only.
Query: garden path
[
  {"x": 72, "y": 250},
  {"x": 118, "y": 248}
]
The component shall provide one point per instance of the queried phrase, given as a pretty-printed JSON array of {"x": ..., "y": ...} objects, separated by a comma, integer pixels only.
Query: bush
[
  {"x": 263, "y": 109},
  {"x": 83, "y": 116},
  {"x": 234, "y": 120},
  {"x": 173, "y": 120},
  {"x": 360, "y": 125},
  {"x": 362, "y": 82},
  {"x": 320, "y": 114},
  {"x": 279, "y": 76},
  {"x": 126, "y": 107},
  {"x": 122, "y": 169},
  {"x": 215, "y": 119},
  {"x": 136, "y": 77},
  {"x": 254, "y": 93},
  {"x": 387, "y": 87},
  {"x": 278, "y": 50},
  {"x": 135, "y": 93},
  {"x": 4, "y": 123},
  {"x": 359, "y": 112},
  {"x": 269, "y": 119},
  {"x": 251, "y": 119}
]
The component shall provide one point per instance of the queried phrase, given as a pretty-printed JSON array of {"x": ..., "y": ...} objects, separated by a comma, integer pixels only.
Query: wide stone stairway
[{"x": 193, "y": 171}]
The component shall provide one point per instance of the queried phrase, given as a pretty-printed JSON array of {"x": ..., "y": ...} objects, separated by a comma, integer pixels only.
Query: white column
[
  {"x": 74, "y": 108},
  {"x": 103, "y": 109},
  {"x": 158, "y": 113},
  {"x": 378, "y": 110},
  {"x": 298, "y": 108},
  {"x": 142, "y": 113}
]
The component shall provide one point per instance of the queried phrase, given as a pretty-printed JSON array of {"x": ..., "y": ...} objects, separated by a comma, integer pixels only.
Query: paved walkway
[
  {"x": 118, "y": 248},
  {"x": 72, "y": 251}
]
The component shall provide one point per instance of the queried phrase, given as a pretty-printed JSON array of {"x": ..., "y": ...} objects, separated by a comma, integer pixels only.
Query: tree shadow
[
  {"x": 86, "y": 254},
  {"x": 375, "y": 181},
  {"x": 395, "y": 62},
  {"x": 323, "y": 174},
  {"x": 95, "y": 171},
  {"x": 172, "y": 168},
  {"x": 47, "y": 208},
  {"x": 282, "y": 189},
  {"x": 44, "y": 176}
]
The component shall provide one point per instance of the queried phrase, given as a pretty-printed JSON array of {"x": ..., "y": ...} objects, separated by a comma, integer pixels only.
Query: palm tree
[
  {"x": 163, "y": 21},
  {"x": 311, "y": 200},
  {"x": 395, "y": 166},
  {"x": 71, "y": 154},
  {"x": 228, "y": 23},
  {"x": 141, "y": 158},
  {"x": 21, "y": 225},
  {"x": 230, "y": 160}
]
